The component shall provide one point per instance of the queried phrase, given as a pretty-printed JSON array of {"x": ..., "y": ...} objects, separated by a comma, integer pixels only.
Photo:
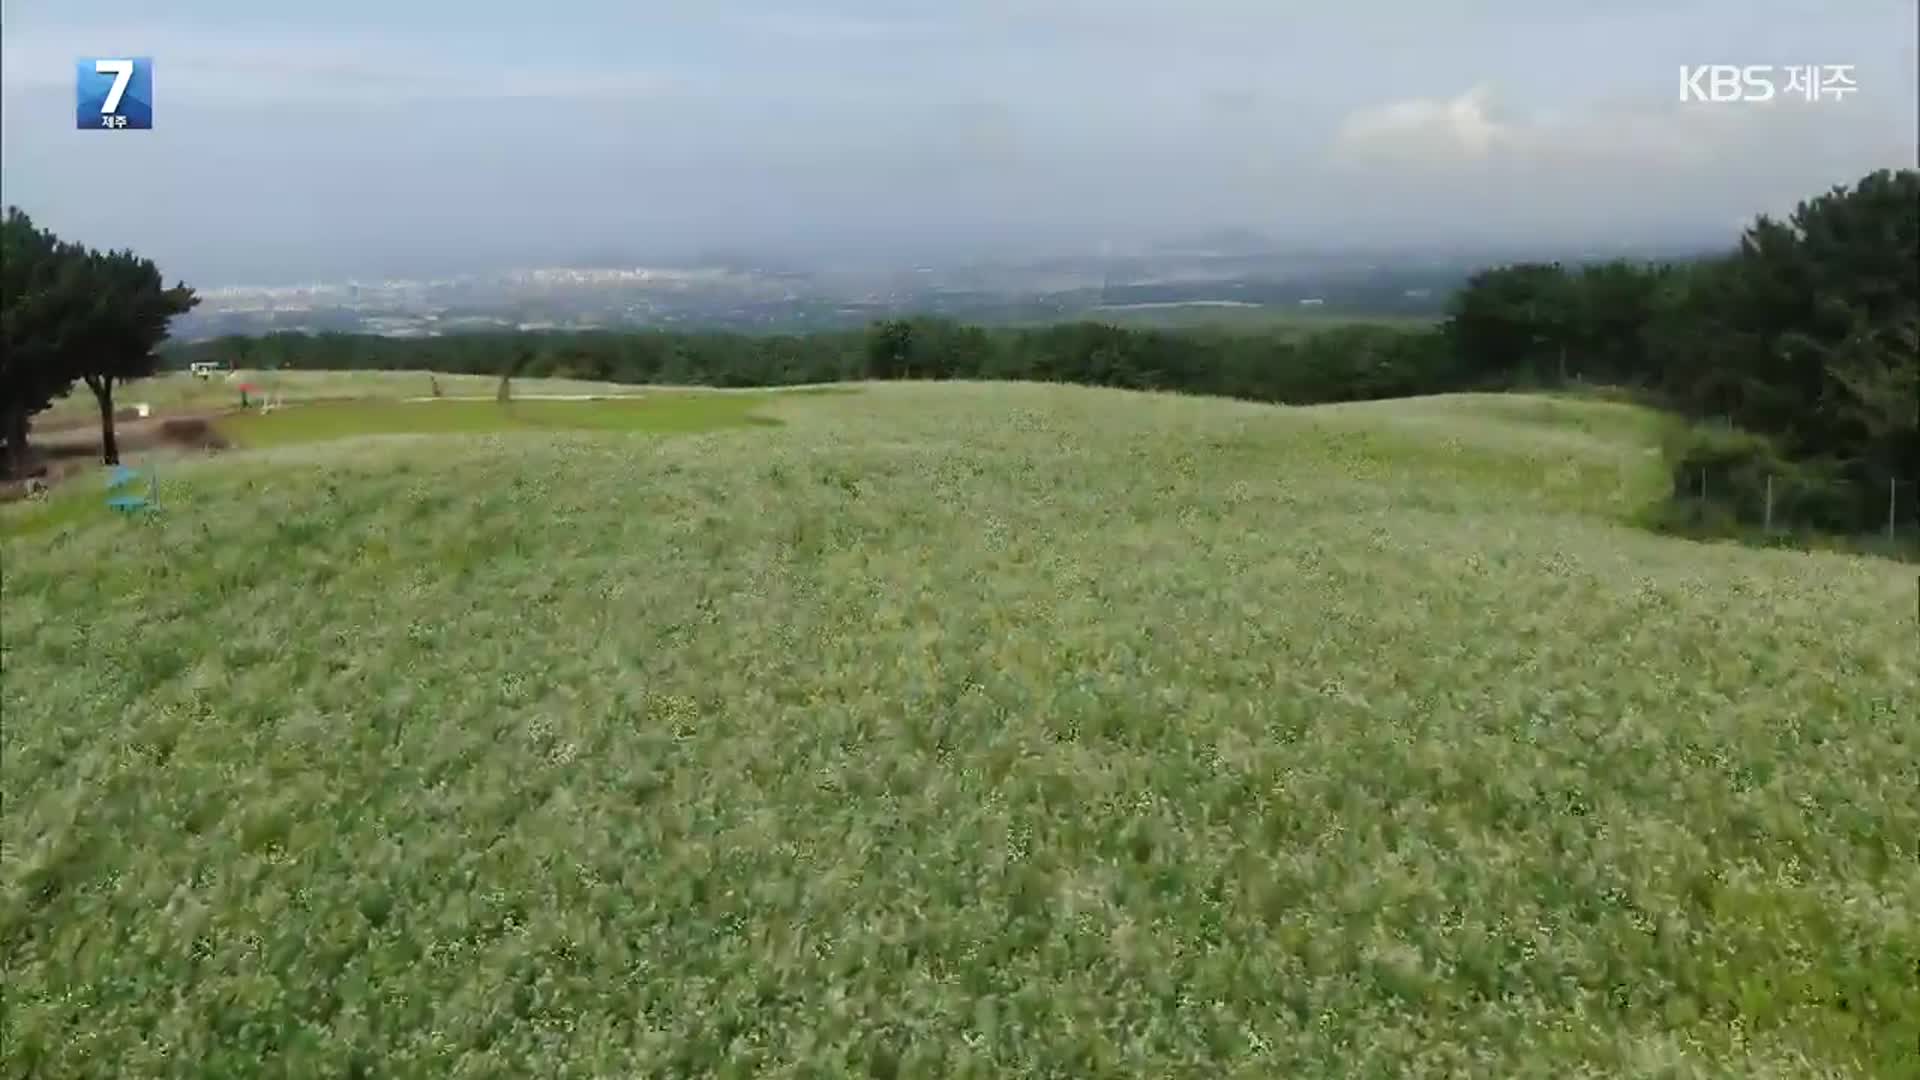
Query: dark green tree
[
  {"x": 1805, "y": 339},
  {"x": 1612, "y": 306},
  {"x": 124, "y": 307},
  {"x": 890, "y": 349},
  {"x": 35, "y": 314},
  {"x": 1514, "y": 321},
  {"x": 518, "y": 361},
  {"x": 74, "y": 313}
]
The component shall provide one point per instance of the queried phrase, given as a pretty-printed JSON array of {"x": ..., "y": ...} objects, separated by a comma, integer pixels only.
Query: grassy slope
[{"x": 959, "y": 730}]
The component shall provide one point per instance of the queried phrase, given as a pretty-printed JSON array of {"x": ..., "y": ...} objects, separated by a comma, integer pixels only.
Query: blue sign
[{"x": 115, "y": 93}]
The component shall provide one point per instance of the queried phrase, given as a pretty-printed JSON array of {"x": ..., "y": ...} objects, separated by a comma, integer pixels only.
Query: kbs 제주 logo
[
  {"x": 115, "y": 93},
  {"x": 1721, "y": 83}
]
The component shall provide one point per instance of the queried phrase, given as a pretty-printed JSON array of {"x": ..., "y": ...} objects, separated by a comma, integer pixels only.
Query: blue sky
[{"x": 324, "y": 139}]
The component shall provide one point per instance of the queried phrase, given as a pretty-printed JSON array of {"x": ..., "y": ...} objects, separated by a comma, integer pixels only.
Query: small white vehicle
[{"x": 206, "y": 369}]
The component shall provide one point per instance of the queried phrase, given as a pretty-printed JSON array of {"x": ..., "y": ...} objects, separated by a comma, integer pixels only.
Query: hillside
[{"x": 963, "y": 729}]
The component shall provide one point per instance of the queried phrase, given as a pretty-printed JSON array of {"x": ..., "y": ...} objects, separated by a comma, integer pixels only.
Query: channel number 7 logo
[{"x": 114, "y": 93}]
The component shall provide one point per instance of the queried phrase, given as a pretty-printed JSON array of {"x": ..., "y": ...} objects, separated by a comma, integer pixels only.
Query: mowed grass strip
[
  {"x": 178, "y": 392},
  {"x": 957, "y": 730},
  {"x": 663, "y": 413}
]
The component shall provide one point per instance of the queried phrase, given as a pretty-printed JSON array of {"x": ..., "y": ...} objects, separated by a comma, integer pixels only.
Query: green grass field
[{"x": 957, "y": 730}]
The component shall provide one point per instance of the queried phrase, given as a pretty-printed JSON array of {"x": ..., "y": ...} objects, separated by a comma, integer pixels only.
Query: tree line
[
  {"x": 1796, "y": 356},
  {"x": 68, "y": 314},
  {"x": 1357, "y": 361}
]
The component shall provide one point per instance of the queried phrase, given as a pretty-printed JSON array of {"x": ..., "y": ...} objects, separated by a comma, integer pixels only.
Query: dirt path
[{"x": 72, "y": 449}]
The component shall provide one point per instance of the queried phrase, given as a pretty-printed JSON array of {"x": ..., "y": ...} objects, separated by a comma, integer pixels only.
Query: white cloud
[
  {"x": 1472, "y": 133},
  {"x": 1423, "y": 132},
  {"x": 1628, "y": 163}
]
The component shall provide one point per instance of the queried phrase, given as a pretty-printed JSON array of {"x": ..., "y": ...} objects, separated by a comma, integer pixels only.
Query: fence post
[
  {"x": 1892, "y": 490},
  {"x": 1768, "y": 524}
]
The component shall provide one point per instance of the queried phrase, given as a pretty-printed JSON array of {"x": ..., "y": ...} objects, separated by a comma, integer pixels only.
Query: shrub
[{"x": 1721, "y": 478}]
